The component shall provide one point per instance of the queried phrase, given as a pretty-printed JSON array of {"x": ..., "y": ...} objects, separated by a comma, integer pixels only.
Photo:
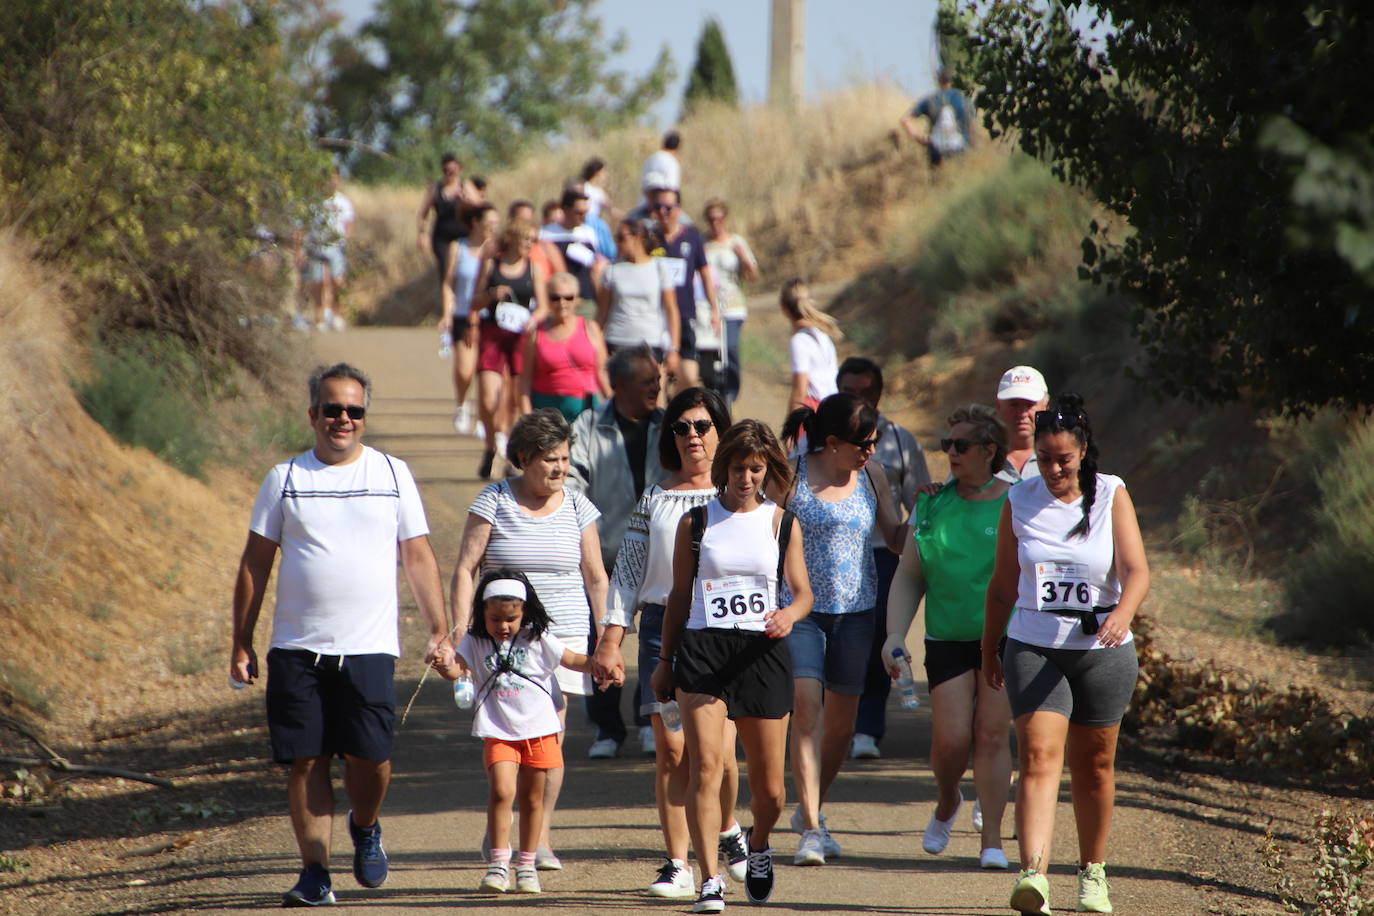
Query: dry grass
[{"x": 823, "y": 194}]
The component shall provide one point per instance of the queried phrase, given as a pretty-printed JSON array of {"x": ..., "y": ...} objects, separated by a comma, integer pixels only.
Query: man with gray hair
[
  {"x": 1020, "y": 393},
  {"x": 614, "y": 458},
  {"x": 337, "y": 513}
]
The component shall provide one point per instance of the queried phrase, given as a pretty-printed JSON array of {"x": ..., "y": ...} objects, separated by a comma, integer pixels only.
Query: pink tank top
[{"x": 566, "y": 368}]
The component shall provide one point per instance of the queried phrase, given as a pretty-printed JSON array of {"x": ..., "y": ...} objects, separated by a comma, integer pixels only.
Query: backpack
[
  {"x": 698, "y": 523},
  {"x": 945, "y": 134}
]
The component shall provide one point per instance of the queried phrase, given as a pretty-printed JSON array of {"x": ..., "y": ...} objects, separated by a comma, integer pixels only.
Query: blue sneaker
[
  {"x": 312, "y": 888},
  {"x": 369, "y": 858}
]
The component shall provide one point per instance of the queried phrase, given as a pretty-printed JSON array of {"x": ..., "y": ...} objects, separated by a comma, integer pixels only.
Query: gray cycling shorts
[{"x": 1088, "y": 686}]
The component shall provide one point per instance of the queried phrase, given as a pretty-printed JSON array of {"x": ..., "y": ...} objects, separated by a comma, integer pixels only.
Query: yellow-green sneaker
[
  {"x": 1030, "y": 893},
  {"x": 1092, "y": 889}
]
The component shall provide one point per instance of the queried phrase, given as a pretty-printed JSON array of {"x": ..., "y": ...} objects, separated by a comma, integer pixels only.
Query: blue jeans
[{"x": 733, "y": 370}]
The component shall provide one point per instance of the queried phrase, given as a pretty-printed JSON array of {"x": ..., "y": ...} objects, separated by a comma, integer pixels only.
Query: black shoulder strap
[
  {"x": 286, "y": 484},
  {"x": 784, "y": 535},
  {"x": 698, "y": 516}
]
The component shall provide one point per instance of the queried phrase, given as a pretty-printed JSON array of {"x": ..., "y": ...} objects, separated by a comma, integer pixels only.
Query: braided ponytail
[{"x": 1071, "y": 405}]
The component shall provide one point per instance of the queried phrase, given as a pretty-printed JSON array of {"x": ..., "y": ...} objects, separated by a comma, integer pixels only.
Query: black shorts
[
  {"x": 322, "y": 705},
  {"x": 946, "y": 659},
  {"x": 687, "y": 340},
  {"x": 750, "y": 671}
]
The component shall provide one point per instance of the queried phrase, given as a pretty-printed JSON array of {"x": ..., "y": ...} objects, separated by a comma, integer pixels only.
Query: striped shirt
[{"x": 547, "y": 549}]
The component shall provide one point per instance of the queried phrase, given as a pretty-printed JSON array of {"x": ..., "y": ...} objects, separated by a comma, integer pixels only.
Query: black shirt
[{"x": 636, "y": 436}]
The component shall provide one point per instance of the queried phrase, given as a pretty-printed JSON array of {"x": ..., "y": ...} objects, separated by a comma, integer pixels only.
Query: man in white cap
[{"x": 1021, "y": 392}]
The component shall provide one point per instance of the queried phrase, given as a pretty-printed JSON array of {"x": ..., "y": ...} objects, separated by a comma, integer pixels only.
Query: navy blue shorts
[{"x": 323, "y": 705}]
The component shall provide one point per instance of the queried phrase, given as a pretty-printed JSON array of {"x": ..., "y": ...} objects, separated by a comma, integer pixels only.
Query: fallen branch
[{"x": 64, "y": 765}]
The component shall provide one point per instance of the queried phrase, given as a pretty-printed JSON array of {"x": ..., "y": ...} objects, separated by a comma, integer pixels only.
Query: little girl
[{"x": 512, "y": 658}]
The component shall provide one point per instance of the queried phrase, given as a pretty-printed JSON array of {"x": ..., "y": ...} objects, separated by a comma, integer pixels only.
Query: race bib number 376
[
  {"x": 1063, "y": 587},
  {"x": 737, "y": 602}
]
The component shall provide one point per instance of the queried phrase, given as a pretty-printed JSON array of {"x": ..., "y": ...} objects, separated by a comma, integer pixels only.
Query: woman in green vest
[{"x": 955, "y": 530}]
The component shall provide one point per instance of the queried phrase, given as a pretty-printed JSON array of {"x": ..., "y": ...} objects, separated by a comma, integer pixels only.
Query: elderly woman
[
  {"x": 956, "y": 540},
  {"x": 565, "y": 357},
  {"x": 530, "y": 522}
]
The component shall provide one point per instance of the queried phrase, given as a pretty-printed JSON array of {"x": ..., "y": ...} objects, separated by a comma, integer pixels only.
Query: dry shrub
[{"x": 1334, "y": 879}]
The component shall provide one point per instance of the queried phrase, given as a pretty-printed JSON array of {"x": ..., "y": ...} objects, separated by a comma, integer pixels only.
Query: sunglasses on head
[
  {"x": 1057, "y": 419},
  {"x": 334, "y": 411},
  {"x": 960, "y": 445},
  {"x": 684, "y": 427}
]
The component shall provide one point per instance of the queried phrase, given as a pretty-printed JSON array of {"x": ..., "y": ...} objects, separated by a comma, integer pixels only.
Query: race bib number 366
[
  {"x": 737, "y": 602},
  {"x": 1063, "y": 587}
]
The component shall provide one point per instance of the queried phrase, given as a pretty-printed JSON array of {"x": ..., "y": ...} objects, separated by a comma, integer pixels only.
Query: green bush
[
  {"x": 1329, "y": 586},
  {"x": 140, "y": 390},
  {"x": 1335, "y": 879}
]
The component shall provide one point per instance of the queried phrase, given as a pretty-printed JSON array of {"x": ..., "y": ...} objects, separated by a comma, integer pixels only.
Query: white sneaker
[
  {"x": 828, "y": 844},
  {"x": 479, "y": 431},
  {"x": 977, "y": 816},
  {"x": 527, "y": 880},
  {"x": 936, "y": 837},
  {"x": 502, "y": 440},
  {"x": 462, "y": 419},
  {"x": 712, "y": 899},
  {"x": 864, "y": 747},
  {"x": 646, "y": 740},
  {"x": 674, "y": 880},
  {"x": 603, "y": 749},
  {"x": 993, "y": 858},
  {"x": 812, "y": 849}
]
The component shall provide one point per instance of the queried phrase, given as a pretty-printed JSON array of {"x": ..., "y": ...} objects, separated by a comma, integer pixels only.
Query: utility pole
[{"x": 787, "y": 53}]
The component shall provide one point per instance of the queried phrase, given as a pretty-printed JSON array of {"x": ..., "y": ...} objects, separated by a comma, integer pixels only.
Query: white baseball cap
[{"x": 1022, "y": 382}]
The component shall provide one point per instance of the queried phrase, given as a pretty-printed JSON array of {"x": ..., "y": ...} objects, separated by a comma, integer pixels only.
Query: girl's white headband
[{"x": 505, "y": 588}]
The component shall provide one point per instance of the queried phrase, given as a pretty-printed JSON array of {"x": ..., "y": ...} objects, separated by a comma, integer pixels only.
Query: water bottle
[
  {"x": 237, "y": 685},
  {"x": 906, "y": 684},
  {"x": 672, "y": 715},
  {"x": 445, "y": 345},
  {"x": 463, "y": 692}
]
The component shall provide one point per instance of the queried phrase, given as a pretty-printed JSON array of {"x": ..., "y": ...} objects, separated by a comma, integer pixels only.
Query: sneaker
[
  {"x": 312, "y": 888},
  {"x": 993, "y": 858},
  {"x": 796, "y": 821},
  {"x": 674, "y": 880},
  {"x": 712, "y": 898},
  {"x": 502, "y": 440},
  {"x": 1031, "y": 893},
  {"x": 527, "y": 880},
  {"x": 603, "y": 749},
  {"x": 370, "y": 864},
  {"x": 1092, "y": 889},
  {"x": 936, "y": 837},
  {"x": 758, "y": 882},
  {"x": 496, "y": 880},
  {"x": 545, "y": 859},
  {"x": 977, "y": 816},
  {"x": 484, "y": 468},
  {"x": 811, "y": 851},
  {"x": 462, "y": 419},
  {"x": 646, "y": 741},
  {"x": 731, "y": 848},
  {"x": 828, "y": 844},
  {"x": 864, "y": 747},
  {"x": 479, "y": 431}
]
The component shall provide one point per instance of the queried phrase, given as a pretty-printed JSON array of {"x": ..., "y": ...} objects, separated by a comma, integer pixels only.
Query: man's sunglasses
[
  {"x": 663, "y": 207},
  {"x": 334, "y": 411},
  {"x": 684, "y": 427},
  {"x": 960, "y": 445}
]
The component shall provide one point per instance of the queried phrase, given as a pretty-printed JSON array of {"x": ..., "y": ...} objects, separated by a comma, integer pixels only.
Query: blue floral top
[{"x": 839, "y": 554}]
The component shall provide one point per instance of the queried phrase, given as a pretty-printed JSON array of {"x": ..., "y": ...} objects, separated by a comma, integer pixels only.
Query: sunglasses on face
[
  {"x": 334, "y": 411},
  {"x": 684, "y": 427},
  {"x": 864, "y": 445},
  {"x": 959, "y": 445},
  {"x": 664, "y": 208},
  {"x": 1056, "y": 419},
  {"x": 557, "y": 297}
]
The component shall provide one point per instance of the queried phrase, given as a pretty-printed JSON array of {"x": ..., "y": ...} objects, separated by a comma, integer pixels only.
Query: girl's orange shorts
[{"x": 537, "y": 753}]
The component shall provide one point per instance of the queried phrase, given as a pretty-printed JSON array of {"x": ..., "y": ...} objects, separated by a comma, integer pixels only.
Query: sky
[{"x": 847, "y": 41}]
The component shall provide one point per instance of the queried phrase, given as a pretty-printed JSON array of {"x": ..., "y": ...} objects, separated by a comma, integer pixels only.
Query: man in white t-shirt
[
  {"x": 320, "y": 254},
  {"x": 1021, "y": 392},
  {"x": 663, "y": 165},
  {"x": 337, "y": 514}
]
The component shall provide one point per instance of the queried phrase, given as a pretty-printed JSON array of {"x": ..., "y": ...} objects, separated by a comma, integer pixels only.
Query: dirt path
[{"x": 606, "y": 828}]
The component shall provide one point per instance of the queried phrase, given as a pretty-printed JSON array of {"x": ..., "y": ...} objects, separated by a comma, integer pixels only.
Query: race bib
[
  {"x": 737, "y": 602},
  {"x": 1063, "y": 587},
  {"x": 677, "y": 270},
  {"x": 580, "y": 253},
  {"x": 512, "y": 317}
]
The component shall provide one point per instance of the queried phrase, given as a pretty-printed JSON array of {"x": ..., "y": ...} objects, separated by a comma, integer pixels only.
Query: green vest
[{"x": 957, "y": 541}]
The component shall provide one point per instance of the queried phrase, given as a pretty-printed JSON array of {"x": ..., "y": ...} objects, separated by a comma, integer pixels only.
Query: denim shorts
[
  {"x": 650, "y": 644},
  {"x": 833, "y": 648}
]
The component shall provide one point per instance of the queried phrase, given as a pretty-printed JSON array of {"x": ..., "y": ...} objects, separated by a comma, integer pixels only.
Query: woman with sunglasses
[
  {"x": 1070, "y": 574},
  {"x": 693, "y": 423},
  {"x": 565, "y": 358},
  {"x": 636, "y": 302},
  {"x": 955, "y": 532},
  {"x": 508, "y": 288},
  {"x": 840, "y": 499}
]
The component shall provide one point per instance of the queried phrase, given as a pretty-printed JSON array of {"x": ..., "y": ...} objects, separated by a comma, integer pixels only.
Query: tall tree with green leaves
[
  {"x": 713, "y": 75},
  {"x": 1237, "y": 142},
  {"x": 487, "y": 79}
]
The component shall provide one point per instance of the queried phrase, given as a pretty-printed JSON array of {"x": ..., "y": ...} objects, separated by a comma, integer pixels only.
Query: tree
[
  {"x": 1236, "y": 143},
  {"x": 487, "y": 79},
  {"x": 713, "y": 76}
]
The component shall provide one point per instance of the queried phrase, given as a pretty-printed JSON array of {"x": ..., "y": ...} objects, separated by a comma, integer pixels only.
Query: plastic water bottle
[
  {"x": 672, "y": 715},
  {"x": 445, "y": 345},
  {"x": 237, "y": 685},
  {"x": 906, "y": 684},
  {"x": 463, "y": 692}
]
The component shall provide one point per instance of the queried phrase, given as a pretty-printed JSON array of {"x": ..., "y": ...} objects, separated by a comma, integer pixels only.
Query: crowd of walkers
[{"x": 771, "y": 579}]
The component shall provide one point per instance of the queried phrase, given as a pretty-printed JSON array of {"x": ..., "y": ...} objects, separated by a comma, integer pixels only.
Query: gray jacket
[{"x": 601, "y": 469}]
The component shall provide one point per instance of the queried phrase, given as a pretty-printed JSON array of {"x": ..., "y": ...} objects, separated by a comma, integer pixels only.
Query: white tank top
[
  {"x": 1060, "y": 573},
  {"x": 737, "y": 576}
]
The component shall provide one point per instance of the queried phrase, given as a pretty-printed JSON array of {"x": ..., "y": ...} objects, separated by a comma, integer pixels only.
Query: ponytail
[
  {"x": 1066, "y": 414},
  {"x": 797, "y": 422}
]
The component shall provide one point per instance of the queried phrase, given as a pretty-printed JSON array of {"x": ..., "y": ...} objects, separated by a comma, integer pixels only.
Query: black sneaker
[
  {"x": 732, "y": 851},
  {"x": 712, "y": 899},
  {"x": 370, "y": 864},
  {"x": 312, "y": 888},
  {"x": 484, "y": 469},
  {"x": 758, "y": 882}
]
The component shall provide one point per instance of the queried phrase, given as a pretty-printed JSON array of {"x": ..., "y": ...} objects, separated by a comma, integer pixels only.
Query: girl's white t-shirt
[
  {"x": 521, "y": 701},
  {"x": 1053, "y": 564},
  {"x": 813, "y": 352}
]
